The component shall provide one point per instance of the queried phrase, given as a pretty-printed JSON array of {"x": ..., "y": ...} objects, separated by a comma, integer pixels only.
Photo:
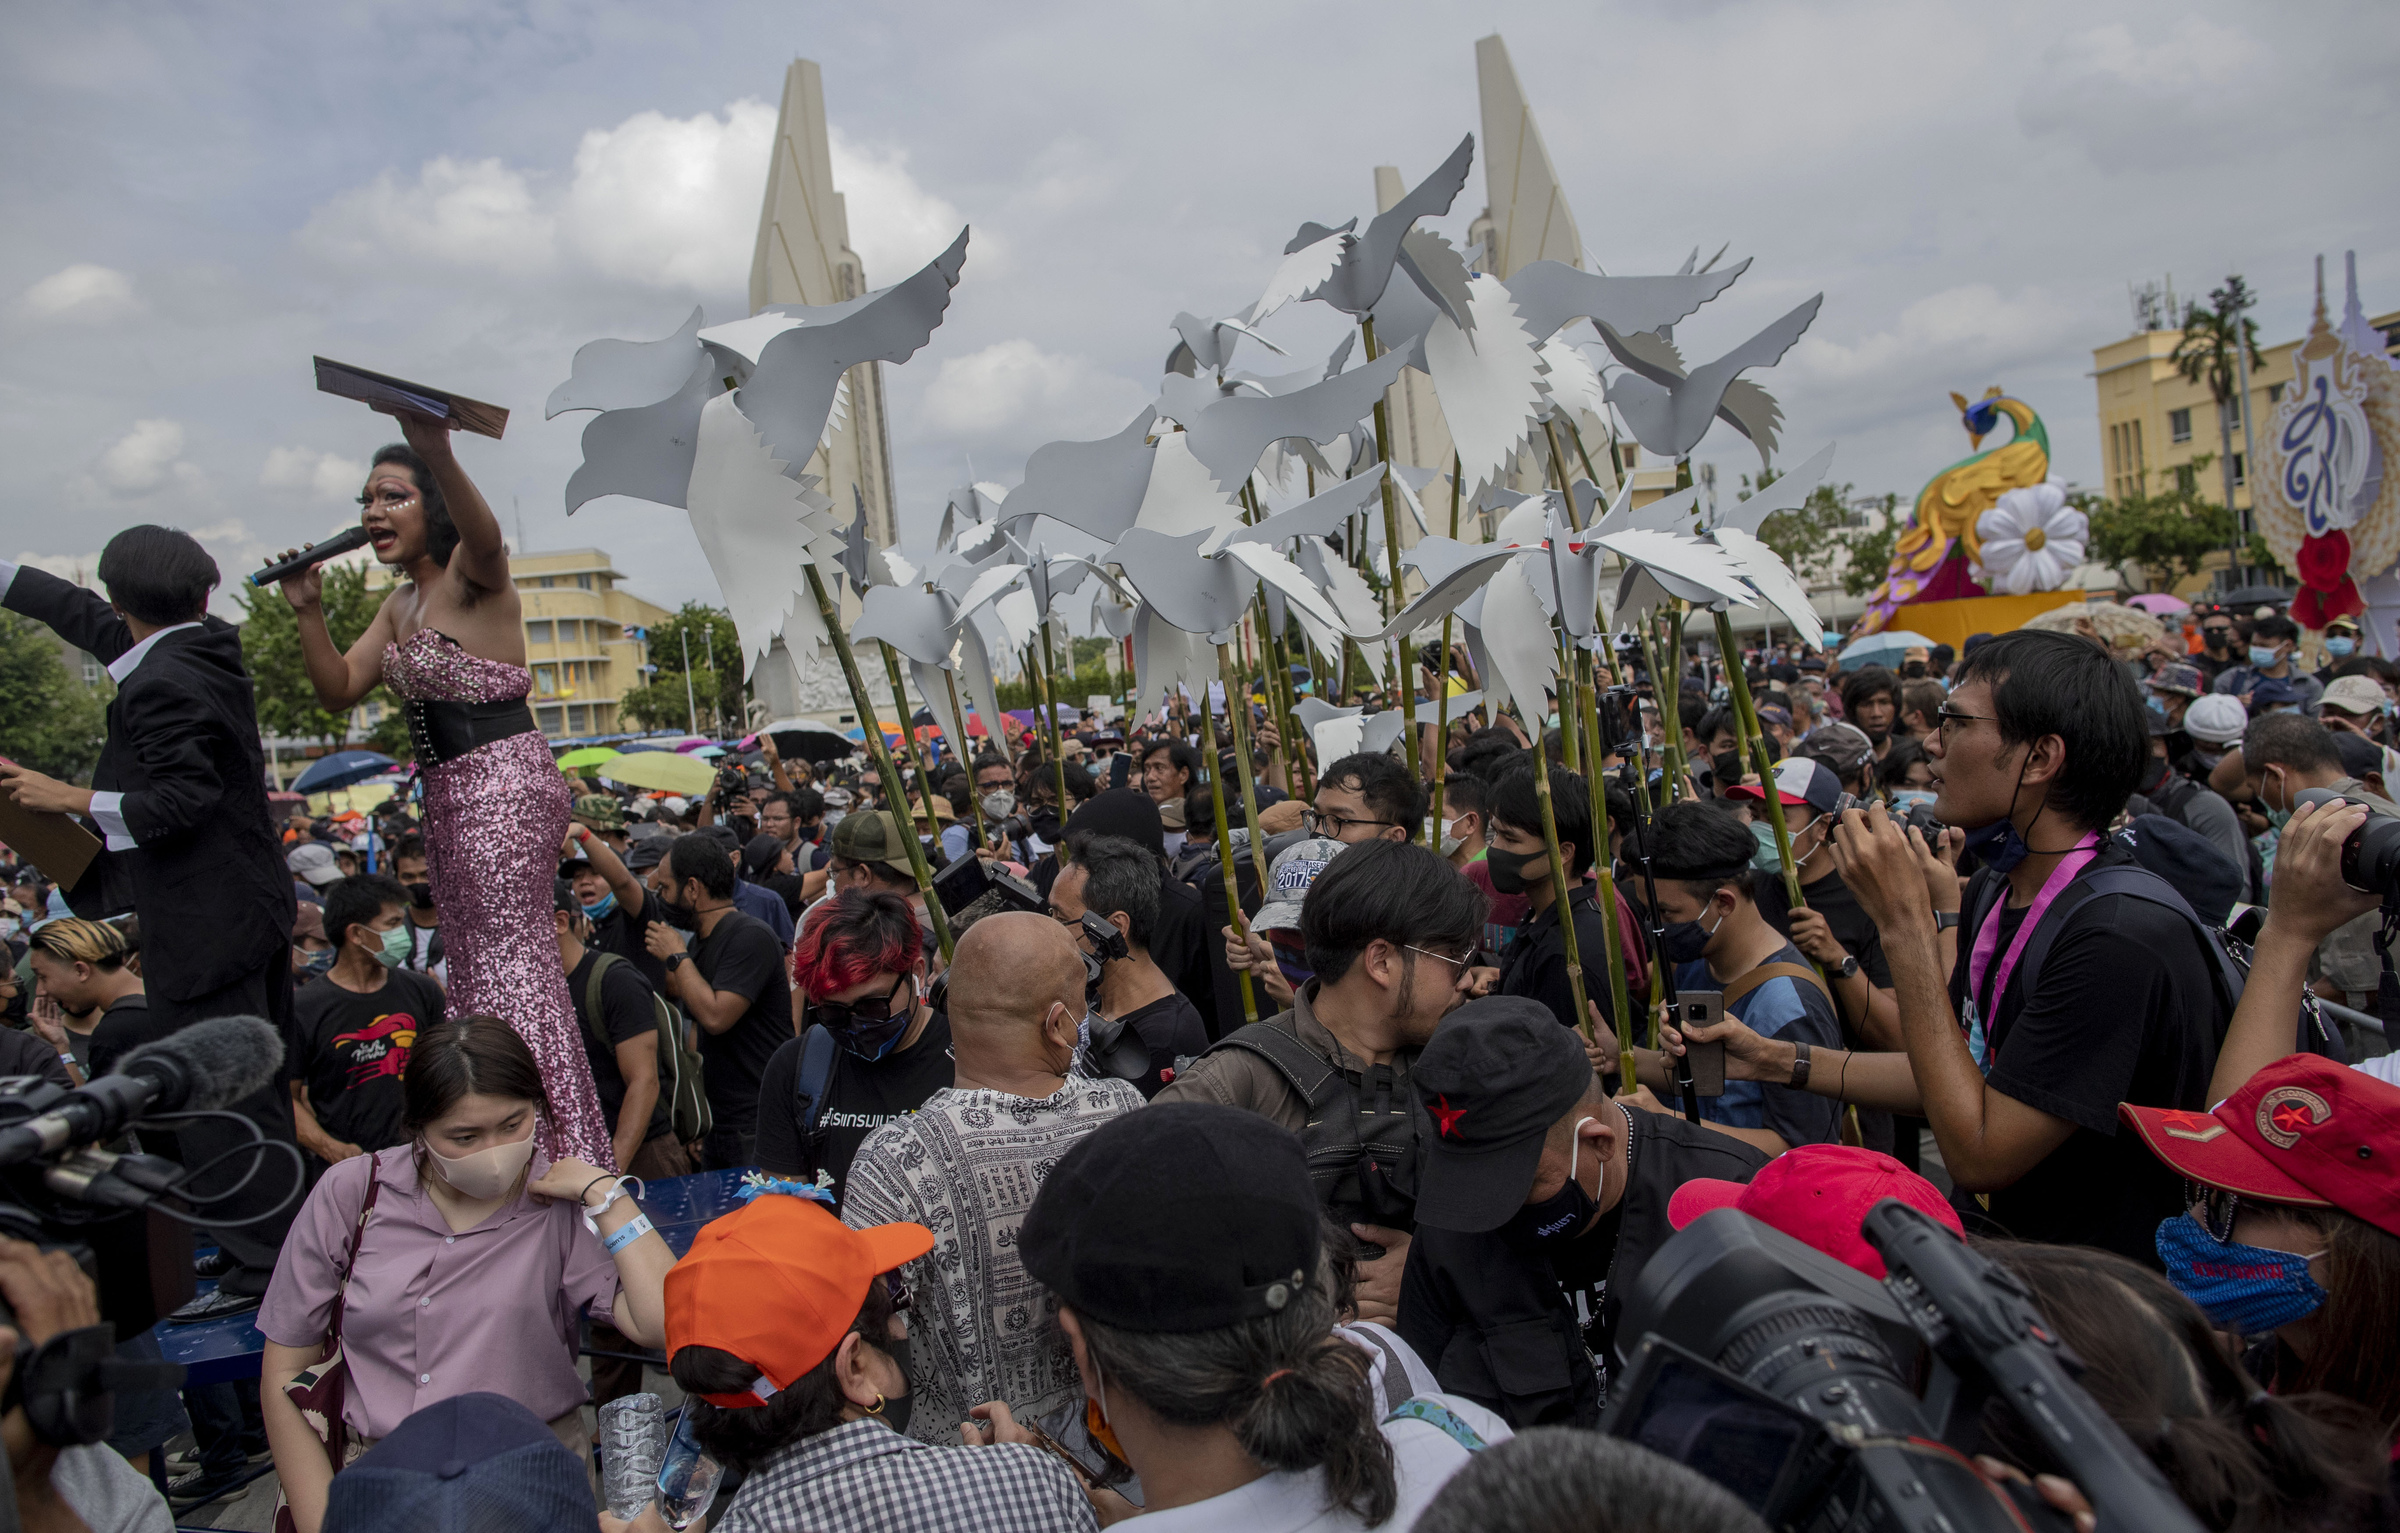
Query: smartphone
[
  {"x": 1702, "y": 1008},
  {"x": 1120, "y": 769}
]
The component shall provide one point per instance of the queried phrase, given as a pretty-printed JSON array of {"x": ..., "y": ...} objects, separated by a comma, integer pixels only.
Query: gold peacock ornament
[{"x": 1939, "y": 557}]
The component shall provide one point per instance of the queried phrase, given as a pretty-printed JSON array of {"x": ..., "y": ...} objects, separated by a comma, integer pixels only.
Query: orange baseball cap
[{"x": 778, "y": 1283}]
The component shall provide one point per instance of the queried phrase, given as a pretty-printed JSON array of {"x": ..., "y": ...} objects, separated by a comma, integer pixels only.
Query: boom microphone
[
  {"x": 206, "y": 1066},
  {"x": 316, "y": 553}
]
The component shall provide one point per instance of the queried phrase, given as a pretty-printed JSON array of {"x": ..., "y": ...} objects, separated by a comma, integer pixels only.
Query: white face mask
[
  {"x": 488, "y": 1173},
  {"x": 1451, "y": 840}
]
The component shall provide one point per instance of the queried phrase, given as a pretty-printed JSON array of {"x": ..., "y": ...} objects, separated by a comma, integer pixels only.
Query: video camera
[{"x": 1826, "y": 1400}]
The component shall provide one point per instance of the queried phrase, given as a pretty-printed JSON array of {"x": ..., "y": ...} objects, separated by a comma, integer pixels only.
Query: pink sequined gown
[{"x": 493, "y": 822}]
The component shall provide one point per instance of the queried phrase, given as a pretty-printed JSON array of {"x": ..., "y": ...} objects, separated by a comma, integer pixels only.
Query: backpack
[
  {"x": 2228, "y": 973},
  {"x": 679, "y": 1083},
  {"x": 812, "y": 1082}
]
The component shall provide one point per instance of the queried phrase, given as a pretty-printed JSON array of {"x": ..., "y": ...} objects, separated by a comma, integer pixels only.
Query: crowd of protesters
[{"x": 1323, "y": 1217}]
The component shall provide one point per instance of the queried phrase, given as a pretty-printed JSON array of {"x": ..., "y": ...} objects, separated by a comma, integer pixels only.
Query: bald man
[{"x": 967, "y": 1164}]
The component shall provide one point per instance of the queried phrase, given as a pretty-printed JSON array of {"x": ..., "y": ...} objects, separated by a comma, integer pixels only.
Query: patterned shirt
[
  {"x": 966, "y": 1166},
  {"x": 862, "y": 1477}
]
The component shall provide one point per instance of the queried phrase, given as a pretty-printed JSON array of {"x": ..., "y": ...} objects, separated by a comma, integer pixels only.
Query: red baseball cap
[
  {"x": 1819, "y": 1195},
  {"x": 1799, "y": 780},
  {"x": 2303, "y": 1130},
  {"x": 778, "y": 1283}
]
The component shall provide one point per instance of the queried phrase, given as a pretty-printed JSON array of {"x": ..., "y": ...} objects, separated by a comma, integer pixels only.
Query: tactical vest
[{"x": 1362, "y": 1130}]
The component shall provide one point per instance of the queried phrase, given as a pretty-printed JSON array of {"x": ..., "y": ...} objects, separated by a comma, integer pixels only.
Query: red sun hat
[
  {"x": 2303, "y": 1130},
  {"x": 778, "y": 1283},
  {"x": 1819, "y": 1195}
]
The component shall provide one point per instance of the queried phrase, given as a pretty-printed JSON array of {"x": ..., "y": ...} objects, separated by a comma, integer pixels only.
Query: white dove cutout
[
  {"x": 1552, "y": 293},
  {"x": 1167, "y": 658},
  {"x": 1490, "y": 383},
  {"x": 1339, "y": 732},
  {"x": 1207, "y": 594},
  {"x": 1231, "y": 432},
  {"x": 1668, "y": 411},
  {"x": 759, "y": 530},
  {"x": 1095, "y": 487}
]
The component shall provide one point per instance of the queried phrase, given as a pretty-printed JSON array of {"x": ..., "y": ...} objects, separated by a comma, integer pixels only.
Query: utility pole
[{"x": 691, "y": 706}]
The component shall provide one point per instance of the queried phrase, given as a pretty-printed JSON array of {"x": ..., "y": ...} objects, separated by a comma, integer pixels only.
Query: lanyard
[{"x": 1988, "y": 939}]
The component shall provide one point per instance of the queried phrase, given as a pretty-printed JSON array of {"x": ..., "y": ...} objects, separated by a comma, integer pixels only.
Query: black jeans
[
  {"x": 727, "y": 1149},
  {"x": 226, "y": 1425}
]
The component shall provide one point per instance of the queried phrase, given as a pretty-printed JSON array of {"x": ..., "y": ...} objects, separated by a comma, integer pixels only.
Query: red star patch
[
  {"x": 2182, "y": 1119},
  {"x": 1445, "y": 1117},
  {"x": 2293, "y": 1118}
]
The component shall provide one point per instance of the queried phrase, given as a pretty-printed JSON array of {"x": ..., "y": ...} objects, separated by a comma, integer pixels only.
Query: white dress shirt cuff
[{"x": 108, "y": 809}]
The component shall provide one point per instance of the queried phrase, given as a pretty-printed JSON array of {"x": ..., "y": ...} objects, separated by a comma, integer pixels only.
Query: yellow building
[
  {"x": 2155, "y": 423},
  {"x": 579, "y": 624}
]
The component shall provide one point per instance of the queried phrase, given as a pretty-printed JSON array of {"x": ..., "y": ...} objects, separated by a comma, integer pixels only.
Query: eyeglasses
[
  {"x": 1332, "y": 825},
  {"x": 2212, "y": 1208},
  {"x": 902, "y": 1301},
  {"x": 1454, "y": 960},
  {"x": 2217, "y": 630},
  {"x": 867, "y": 1011},
  {"x": 1950, "y": 717}
]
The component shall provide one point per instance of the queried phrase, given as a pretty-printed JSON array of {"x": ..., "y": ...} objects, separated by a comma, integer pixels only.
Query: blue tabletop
[{"x": 218, "y": 1351}]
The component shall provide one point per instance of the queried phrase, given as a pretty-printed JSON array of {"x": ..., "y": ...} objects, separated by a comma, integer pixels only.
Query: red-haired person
[{"x": 870, "y": 1048}]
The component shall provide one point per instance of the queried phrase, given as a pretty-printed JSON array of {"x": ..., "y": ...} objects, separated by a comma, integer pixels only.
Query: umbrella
[
  {"x": 2159, "y": 603},
  {"x": 707, "y": 752},
  {"x": 664, "y": 770},
  {"x": 584, "y": 756},
  {"x": 808, "y": 742},
  {"x": 2255, "y": 596},
  {"x": 1876, "y": 647},
  {"x": 341, "y": 769}
]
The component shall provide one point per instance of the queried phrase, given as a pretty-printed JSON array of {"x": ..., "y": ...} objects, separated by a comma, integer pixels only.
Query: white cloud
[
  {"x": 896, "y": 225},
  {"x": 1972, "y": 327},
  {"x": 474, "y": 213},
  {"x": 145, "y": 459},
  {"x": 81, "y": 292},
  {"x": 328, "y": 476},
  {"x": 2145, "y": 103},
  {"x": 671, "y": 201},
  {"x": 1014, "y": 386}
]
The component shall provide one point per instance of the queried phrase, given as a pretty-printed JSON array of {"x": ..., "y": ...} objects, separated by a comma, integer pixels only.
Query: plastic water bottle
[
  {"x": 633, "y": 1445},
  {"x": 687, "y": 1477}
]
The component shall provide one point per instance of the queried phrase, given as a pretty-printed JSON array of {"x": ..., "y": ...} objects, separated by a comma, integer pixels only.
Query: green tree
[
  {"x": 287, "y": 703},
  {"x": 49, "y": 720},
  {"x": 1871, "y": 552},
  {"x": 2172, "y": 532},
  {"x": 707, "y": 637},
  {"x": 2210, "y": 352}
]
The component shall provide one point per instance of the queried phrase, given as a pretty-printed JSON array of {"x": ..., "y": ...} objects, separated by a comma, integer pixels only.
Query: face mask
[
  {"x": 999, "y": 804},
  {"x": 421, "y": 896},
  {"x": 2218, "y": 638},
  {"x": 1508, "y": 873},
  {"x": 318, "y": 962},
  {"x": 1687, "y": 941},
  {"x": 1726, "y": 768},
  {"x": 2154, "y": 705},
  {"x": 2340, "y": 648},
  {"x": 896, "y": 1407},
  {"x": 2262, "y": 656},
  {"x": 1905, "y": 799},
  {"x": 486, "y": 1173},
  {"x": 602, "y": 908},
  {"x": 681, "y": 917},
  {"x": 2249, "y": 1289},
  {"x": 2206, "y": 757},
  {"x": 1451, "y": 842},
  {"x": 399, "y": 945},
  {"x": 871, "y": 1038},
  {"x": 1556, "y": 1219},
  {"x": 1999, "y": 845},
  {"x": 9, "y": 926},
  {"x": 1766, "y": 858}
]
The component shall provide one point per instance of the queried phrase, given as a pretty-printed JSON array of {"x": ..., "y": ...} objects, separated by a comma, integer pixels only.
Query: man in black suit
[{"x": 180, "y": 794}]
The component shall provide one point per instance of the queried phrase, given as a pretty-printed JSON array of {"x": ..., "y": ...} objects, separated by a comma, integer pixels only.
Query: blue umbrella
[
  {"x": 1882, "y": 648},
  {"x": 341, "y": 769}
]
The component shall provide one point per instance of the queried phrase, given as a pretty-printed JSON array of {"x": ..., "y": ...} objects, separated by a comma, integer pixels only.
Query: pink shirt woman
[{"x": 473, "y": 1269}]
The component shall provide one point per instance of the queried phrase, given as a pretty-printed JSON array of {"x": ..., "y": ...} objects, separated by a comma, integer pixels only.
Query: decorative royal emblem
[{"x": 2287, "y": 1112}]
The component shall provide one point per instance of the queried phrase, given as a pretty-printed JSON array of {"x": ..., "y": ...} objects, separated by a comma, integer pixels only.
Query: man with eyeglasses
[
  {"x": 1365, "y": 798},
  {"x": 872, "y": 1047},
  {"x": 1388, "y": 930}
]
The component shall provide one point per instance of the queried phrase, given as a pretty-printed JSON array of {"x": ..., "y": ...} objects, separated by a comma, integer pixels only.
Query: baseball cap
[
  {"x": 872, "y": 837},
  {"x": 313, "y": 861},
  {"x": 1494, "y": 1076},
  {"x": 778, "y": 1283},
  {"x": 2353, "y": 694},
  {"x": 675, "y": 803},
  {"x": 2303, "y": 1130},
  {"x": 1799, "y": 780},
  {"x": 647, "y": 853},
  {"x": 1819, "y": 1195},
  {"x": 308, "y": 919},
  {"x": 1126, "y": 812},
  {"x": 2216, "y": 719},
  {"x": 2182, "y": 680},
  {"x": 2360, "y": 755},
  {"x": 1289, "y": 876},
  {"x": 758, "y": 857},
  {"x": 470, "y": 1461},
  {"x": 1185, "y": 1216},
  {"x": 2273, "y": 692},
  {"x": 602, "y": 809},
  {"x": 1846, "y": 747}
]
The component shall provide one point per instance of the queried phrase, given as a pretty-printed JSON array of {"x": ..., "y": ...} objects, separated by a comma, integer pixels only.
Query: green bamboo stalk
[
  {"x": 1620, "y": 998},
  {"x": 1391, "y": 550},
  {"x": 1441, "y": 706},
  {"x": 1559, "y": 888},
  {"x": 1216, "y": 799},
  {"x": 966, "y": 753},
  {"x": 1237, "y": 715},
  {"x": 908, "y": 734},
  {"x": 1049, "y": 704}
]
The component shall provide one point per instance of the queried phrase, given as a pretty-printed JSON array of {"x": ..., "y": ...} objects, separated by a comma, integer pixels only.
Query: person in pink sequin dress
[{"x": 450, "y": 642}]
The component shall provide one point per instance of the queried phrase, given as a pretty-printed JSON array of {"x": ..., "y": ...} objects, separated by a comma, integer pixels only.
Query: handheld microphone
[
  {"x": 206, "y": 1066},
  {"x": 316, "y": 553}
]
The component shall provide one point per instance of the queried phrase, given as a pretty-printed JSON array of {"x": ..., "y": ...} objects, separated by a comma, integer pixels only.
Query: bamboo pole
[
  {"x": 1441, "y": 706},
  {"x": 1216, "y": 799},
  {"x": 908, "y": 736},
  {"x": 1049, "y": 705},
  {"x": 1237, "y": 715},
  {"x": 1559, "y": 889},
  {"x": 892, "y": 788},
  {"x": 967, "y": 752},
  {"x": 1619, "y": 994},
  {"x": 1391, "y": 550}
]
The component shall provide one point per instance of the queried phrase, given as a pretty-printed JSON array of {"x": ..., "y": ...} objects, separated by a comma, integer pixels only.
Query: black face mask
[
  {"x": 1726, "y": 767},
  {"x": 896, "y": 1407},
  {"x": 1557, "y": 1219},
  {"x": 681, "y": 917},
  {"x": 421, "y": 896},
  {"x": 1509, "y": 876}
]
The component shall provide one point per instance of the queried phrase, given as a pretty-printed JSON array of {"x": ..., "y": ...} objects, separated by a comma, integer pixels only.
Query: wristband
[
  {"x": 591, "y": 1216},
  {"x": 1945, "y": 920},
  {"x": 1799, "y": 1081},
  {"x": 628, "y": 1233}
]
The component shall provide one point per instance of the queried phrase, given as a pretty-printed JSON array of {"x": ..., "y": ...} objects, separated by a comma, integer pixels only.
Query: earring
[{"x": 877, "y": 1408}]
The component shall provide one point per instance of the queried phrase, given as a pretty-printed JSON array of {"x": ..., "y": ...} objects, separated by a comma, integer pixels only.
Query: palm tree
[{"x": 2208, "y": 353}]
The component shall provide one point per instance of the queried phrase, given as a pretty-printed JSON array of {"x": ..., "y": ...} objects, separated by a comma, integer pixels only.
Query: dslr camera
[
  {"x": 2371, "y": 857},
  {"x": 1828, "y": 1401}
]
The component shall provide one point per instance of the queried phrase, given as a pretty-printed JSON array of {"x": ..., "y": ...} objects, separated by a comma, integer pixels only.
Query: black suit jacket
[{"x": 206, "y": 875}]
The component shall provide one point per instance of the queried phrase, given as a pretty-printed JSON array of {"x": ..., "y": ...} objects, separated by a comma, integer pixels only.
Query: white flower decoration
[{"x": 2032, "y": 540}]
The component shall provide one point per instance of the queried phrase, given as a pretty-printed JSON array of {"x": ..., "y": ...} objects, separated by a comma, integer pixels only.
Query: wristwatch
[
  {"x": 675, "y": 961},
  {"x": 1945, "y": 920},
  {"x": 1847, "y": 967}
]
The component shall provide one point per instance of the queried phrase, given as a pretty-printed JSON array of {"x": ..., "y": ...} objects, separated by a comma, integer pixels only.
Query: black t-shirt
[
  {"x": 1535, "y": 965},
  {"x": 621, "y": 932},
  {"x": 2124, "y": 1010},
  {"x": 1171, "y": 1028},
  {"x": 626, "y": 1013},
  {"x": 742, "y": 955},
  {"x": 350, "y": 1049},
  {"x": 27, "y": 1053},
  {"x": 125, "y": 1025},
  {"x": 1581, "y": 1267},
  {"x": 1859, "y": 937},
  {"x": 863, "y": 1096}
]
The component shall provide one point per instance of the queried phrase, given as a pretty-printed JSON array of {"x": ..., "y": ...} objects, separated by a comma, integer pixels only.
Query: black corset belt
[{"x": 440, "y": 730}]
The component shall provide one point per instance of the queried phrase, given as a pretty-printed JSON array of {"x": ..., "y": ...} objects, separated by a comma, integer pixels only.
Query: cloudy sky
[{"x": 199, "y": 197}]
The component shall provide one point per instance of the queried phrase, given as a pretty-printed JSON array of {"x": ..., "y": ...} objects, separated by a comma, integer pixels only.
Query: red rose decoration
[{"x": 2324, "y": 561}]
